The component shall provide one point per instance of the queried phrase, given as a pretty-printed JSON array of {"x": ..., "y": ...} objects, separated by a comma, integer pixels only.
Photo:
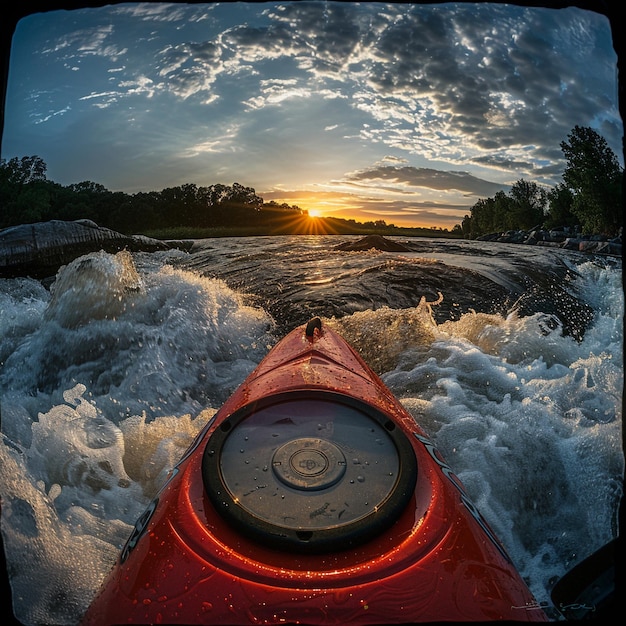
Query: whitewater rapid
[{"x": 107, "y": 376}]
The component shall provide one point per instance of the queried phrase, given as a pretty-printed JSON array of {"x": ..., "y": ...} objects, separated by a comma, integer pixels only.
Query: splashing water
[{"x": 107, "y": 378}]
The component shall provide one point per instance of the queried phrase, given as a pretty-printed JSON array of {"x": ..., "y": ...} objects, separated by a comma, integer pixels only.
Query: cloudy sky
[{"x": 404, "y": 112}]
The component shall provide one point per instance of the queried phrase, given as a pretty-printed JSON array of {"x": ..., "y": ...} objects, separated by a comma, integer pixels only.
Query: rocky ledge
[
  {"x": 560, "y": 238},
  {"x": 39, "y": 250}
]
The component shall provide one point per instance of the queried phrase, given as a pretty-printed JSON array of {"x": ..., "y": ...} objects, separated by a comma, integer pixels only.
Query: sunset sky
[{"x": 403, "y": 112}]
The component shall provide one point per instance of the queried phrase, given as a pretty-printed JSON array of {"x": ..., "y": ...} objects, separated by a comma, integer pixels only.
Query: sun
[{"x": 314, "y": 213}]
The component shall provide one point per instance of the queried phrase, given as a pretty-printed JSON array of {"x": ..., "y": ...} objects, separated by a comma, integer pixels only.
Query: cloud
[
  {"x": 459, "y": 82},
  {"x": 442, "y": 98},
  {"x": 222, "y": 141},
  {"x": 325, "y": 35},
  {"x": 190, "y": 68},
  {"x": 155, "y": 11},
  {"x": 254, "y": 44},
  {"x": 414, "y": 177},
  {"x": 392, "y": 158}
]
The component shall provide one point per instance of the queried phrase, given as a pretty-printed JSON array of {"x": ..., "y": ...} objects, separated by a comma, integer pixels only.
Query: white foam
[
  {"x": 106, "y": 382},
  {"x": 531, "y": 421}
]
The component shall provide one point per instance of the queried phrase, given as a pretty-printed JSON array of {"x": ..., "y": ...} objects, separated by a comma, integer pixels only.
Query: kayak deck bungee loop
[
  {"x": 312, "y": 497},
  {"x": 313, "y": 324}
]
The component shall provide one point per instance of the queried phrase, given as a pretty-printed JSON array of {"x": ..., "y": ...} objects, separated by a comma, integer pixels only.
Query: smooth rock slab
[{"x": 39, "y": 250}]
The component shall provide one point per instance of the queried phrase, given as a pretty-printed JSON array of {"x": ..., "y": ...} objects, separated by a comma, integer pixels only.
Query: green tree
[
  {"x": 179, "y": 205},
  {"x": 132, "y": 214},
  {"x": 595, "y": 177},
  {"x": 503, "y": 217},
  {"x": 560, "y": 201},
  {"x": 528, "y": 204},
  {"x": 87, "y": 186},
  {"x": 24, "y": 191},
  {"x": 22, "y": 171},
  {"x": 31, "y": 205},
  {"x": 84, "y": 200},
  {"x": 483, "y": 217},
  {"x": 466, "y": 226},
  {"x": 244, "y": 196}
]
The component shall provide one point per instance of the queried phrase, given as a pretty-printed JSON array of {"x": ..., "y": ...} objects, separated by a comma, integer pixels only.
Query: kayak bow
[{"x": 312, "y": 497}]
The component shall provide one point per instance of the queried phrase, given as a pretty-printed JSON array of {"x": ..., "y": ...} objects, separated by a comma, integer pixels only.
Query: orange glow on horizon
[
  {"x": 292, "y": 223},
  {"x": 348, "y": 206}
]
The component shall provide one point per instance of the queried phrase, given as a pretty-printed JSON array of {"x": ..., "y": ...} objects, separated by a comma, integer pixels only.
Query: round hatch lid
[{"x": 309, "y": 470}]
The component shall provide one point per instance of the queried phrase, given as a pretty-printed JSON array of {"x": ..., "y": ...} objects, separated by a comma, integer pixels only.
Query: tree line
[
  {"x": 589, "y": 198},
  {"x": 27, "y": 196}
]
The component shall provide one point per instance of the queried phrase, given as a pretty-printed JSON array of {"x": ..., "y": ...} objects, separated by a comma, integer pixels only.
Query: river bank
[{"x": 560, "y": 238}]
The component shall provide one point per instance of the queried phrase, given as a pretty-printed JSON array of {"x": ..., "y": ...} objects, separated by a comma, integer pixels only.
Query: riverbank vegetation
[
  {"x": 588, "y": 200},
  {"x": 184, "y": 212}
]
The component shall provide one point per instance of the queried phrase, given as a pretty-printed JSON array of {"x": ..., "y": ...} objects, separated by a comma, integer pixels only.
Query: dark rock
[
  {"x": 549, "y": 244},
  {"x": 560, "y": 238},
  {"x": 39, "y": 250},
  {"x": 571, "y": 243},
  {"x": 376, "y": 242}
]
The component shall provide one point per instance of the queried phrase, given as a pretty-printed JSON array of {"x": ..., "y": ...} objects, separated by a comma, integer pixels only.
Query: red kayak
[{"x": 312, "y": 497}]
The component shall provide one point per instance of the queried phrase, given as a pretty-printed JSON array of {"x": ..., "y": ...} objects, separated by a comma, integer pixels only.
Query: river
[{"x": 509, "y": 356}]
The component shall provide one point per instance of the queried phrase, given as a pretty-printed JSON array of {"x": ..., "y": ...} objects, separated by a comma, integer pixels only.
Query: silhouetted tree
[
  {"x": 22, "y": 171},
  {"x": 528, "y": 206},
  {"x": 595, "y": 177},
  {"x": 24, "y": 191},
  {"x": 503, "y": 216},
  {"x": 560, "y": 201}
]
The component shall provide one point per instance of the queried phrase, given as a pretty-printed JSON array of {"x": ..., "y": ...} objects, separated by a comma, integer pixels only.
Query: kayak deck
[{"x": 312, "y": 497}]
